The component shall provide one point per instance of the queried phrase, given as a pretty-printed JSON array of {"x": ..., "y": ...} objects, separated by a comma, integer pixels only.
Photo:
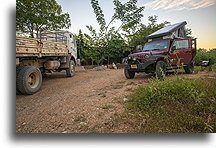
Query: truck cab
[
  {"x": 62, "y": 36},
  {"x": 162, "y": 53}
]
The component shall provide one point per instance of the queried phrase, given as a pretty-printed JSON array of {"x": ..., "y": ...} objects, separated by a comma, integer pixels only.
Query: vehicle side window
[
  {"x": 181, "y": 44},
  {"x": 193, "y": 44}
]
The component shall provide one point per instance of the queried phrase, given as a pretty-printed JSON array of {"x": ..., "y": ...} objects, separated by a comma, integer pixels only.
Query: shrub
[
  {"x": 214, "y": 67},
  {"x": 204, "y": 55},
  {"x": 177, "y": 105}
]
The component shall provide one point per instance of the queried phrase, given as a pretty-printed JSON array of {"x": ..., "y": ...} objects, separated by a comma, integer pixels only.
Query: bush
[
  {"x": 204, "y": 55},
  {"x": 178, "y": 105},
  {"x": 202, "y": 68},
  {"x": 214, "y": 67}
]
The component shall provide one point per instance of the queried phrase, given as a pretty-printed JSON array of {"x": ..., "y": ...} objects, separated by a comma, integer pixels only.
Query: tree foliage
[
  {"x": 189, "y": 33},
  {"x": 99, "y": 14},
  {"x": 128, "y": 13},
  {"x": 137, "y": 35},
  {"x": 114, "y": 40},
  {"x": 33, "y": 16},
  {"x": 98, "y": 51},
  {"x": 108, "y": 44}
]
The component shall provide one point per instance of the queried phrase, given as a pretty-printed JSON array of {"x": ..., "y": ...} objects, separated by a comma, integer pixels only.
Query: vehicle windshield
[{"x": 156, "y": 45}]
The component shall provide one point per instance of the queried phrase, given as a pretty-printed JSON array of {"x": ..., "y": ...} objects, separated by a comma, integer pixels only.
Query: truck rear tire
[
  {"x": 129, "y": 74},
  {"x": 189, "y": 69},
  {"x": 160, "y": 69},
  {"x": 70, "y": 72},
  {"x": 29, "y": 80},
  {"x": 18, "y": 68}
]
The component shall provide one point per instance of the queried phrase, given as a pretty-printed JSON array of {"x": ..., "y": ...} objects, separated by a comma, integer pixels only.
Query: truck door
[
  {"x": 181, "y": 52},
  {"x": 72, "y": 45}
]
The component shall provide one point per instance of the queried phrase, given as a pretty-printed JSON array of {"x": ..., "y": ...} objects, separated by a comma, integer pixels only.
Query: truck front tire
[
  {"x": 70, "y": 72},
  {"x": 29, "y": 80},
  {"x": 160, "y": 69},
  {"x": 129, "y": 74}
]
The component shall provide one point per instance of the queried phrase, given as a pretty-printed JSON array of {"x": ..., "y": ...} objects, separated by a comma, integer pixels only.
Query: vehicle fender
[{"x": 157, "y": 57}]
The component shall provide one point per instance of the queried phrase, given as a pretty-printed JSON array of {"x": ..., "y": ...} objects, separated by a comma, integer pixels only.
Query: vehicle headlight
[{"x": 134, "y": 59}]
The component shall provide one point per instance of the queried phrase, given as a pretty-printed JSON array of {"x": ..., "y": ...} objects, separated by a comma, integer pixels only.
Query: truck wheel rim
[{"x": 33, "y": 80}]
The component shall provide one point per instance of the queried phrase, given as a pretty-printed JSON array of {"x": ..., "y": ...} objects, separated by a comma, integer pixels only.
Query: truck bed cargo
[{"x": 28, "y": 47}]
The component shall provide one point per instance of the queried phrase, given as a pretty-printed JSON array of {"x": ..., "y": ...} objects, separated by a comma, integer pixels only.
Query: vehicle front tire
[
  {"x": 160, "y": 69},
  {"x": 129, "y": 74},
  {"x": 29, "y": 80},
  {"x": 70, "y": 72},
  {"x": 189, "y": 69}
]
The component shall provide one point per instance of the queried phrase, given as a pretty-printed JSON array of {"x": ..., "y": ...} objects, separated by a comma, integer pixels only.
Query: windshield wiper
[
  {"x": 152, "y": 49},
  {"x": 155, "y": 49}
]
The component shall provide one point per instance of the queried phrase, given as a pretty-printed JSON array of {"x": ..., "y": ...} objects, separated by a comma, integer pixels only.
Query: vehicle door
[
  {"x": 72, "y": 45},
  {"x": 181, "y": 52}
]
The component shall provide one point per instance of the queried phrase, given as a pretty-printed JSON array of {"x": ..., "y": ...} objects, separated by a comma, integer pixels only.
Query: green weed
[
  {"x": 107, "y": 107},
  {"x": 174, "y": 105}
]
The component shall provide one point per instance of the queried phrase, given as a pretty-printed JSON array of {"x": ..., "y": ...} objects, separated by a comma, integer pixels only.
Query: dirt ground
[{"x": 84, "y": 103}]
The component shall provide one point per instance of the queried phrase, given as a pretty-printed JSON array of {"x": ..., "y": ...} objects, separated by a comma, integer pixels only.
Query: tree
[
  {"x": 127, "y": 13},
  {"x": 139, "y": 33},
  {"x": 189, "y": 33},
  {"x": 34, "y": 16},
  {"x": 99, "y": 15},
  {"x": 108, "y": 44}
]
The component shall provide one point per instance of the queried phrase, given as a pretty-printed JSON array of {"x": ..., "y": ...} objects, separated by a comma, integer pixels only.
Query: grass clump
[
  {"x": 174, "y": 105},
  {"x": 107, "y": 107},
  {"x": 202, "y": 68}
]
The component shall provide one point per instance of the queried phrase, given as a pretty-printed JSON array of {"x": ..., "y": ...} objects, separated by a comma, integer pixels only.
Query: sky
[{"x": 199, "y": 14}]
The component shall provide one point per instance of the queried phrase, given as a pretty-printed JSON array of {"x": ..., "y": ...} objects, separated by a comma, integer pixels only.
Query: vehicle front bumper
[{"x": 140, "y": 67}]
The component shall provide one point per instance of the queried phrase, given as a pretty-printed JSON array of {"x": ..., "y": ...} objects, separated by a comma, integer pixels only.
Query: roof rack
[{"x": 55, "y": 36}]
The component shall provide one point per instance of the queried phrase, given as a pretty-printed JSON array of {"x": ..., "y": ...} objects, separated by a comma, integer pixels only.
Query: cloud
[{"x": 179, "y": 4}]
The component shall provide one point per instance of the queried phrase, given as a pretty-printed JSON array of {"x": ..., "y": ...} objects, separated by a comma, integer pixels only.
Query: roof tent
[{"x": 172, "y": 31}]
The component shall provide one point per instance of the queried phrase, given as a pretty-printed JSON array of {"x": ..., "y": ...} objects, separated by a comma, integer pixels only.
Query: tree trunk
[
  {"x": 92, "y": 62},
  {"x": 37, "y": 34},
  {"x": 32, "y": 34}
]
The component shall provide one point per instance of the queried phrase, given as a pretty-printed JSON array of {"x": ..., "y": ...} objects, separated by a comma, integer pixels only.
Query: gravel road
[{"x": 80, "y": 104}]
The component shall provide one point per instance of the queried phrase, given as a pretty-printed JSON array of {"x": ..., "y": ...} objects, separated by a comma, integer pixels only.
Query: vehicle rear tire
[
  {"x": 189, "y": 69},
  {"x": 18, "y": 68},
  {"x": 129, "y": 74},
  {"x": 70, "y": 72},
  {"x": 29, "y": 80},
  {"x": 160, "y": 69}
]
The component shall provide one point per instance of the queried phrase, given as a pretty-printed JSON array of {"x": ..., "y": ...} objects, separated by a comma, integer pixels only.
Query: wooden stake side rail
[{"x": 27, "y": 47}]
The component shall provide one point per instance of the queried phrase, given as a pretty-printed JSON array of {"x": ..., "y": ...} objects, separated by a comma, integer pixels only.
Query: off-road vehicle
[{"x": 167, "y": 49}]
